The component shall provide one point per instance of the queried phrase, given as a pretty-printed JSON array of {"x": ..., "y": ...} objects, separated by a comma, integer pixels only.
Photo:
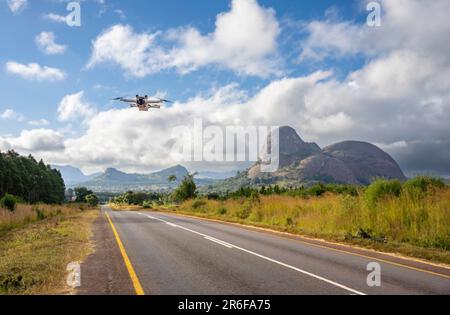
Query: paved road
[{"x": 172, "y": 254}]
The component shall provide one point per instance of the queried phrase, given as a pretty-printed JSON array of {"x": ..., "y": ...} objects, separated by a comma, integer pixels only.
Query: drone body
[{"x": 143, "y": 103}]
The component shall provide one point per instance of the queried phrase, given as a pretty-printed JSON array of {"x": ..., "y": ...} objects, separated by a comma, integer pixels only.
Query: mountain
[
  {"x": 216, "y": 175},
  {"x": 113, "y": 180},
  {"x": 293, "y": 148},
  {"x": 302, "y": 163},
  {"x": 73, "y": 175}
]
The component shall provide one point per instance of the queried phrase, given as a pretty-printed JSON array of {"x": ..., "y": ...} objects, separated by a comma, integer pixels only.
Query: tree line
[{"x": 30, "y": 180}]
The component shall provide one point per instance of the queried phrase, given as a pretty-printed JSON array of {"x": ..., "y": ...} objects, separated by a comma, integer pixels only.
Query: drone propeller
[
  {"x": 165, "y": 101},
  {"x": 118, "y": 98}
]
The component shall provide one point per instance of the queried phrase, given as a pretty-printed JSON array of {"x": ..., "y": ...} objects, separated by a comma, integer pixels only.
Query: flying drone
[{"x": 144, "y": 103}]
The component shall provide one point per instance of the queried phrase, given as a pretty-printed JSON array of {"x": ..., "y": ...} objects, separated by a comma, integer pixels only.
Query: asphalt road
[{"x": 173, "y": 254}]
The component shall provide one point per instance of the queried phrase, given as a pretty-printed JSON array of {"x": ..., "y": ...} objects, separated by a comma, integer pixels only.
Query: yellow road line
[{"x": 137, "y": 285}]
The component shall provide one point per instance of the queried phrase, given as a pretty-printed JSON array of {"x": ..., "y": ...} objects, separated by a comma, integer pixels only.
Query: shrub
[
  {"x": 317, "y": 190},
  {"x": 222, "y": 211},
  {"x": 186, "y": 190},
  {"x": 198, "y": 204},
  {"x": 8, "y": 202},
  {"x": 383, "y": 188},
  {"x": 40, "y": 214},
  {"x": 92, "y": 200},
  {"x": 424, "y": 183},
  {"x": 146, "y": 205}
]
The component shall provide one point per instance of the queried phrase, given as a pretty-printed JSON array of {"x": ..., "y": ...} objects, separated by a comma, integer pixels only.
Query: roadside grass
[
  {"x": 124, "y": 207},
  {"x": 38, "y": 242},
  {"x": 413, "y": 223}
]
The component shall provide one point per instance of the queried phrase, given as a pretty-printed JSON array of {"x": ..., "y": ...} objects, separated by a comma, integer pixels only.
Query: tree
[
  {"x": 30, "y": 180},
  {"x": 186, "y": 190},
  {"x": 92, "y": 200},
  {"x": 172, "y": 178},
  {"x": 81, "y": 193}
]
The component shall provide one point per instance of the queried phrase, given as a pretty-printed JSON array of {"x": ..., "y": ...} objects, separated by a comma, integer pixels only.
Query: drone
[{"x": 144, "y": 103}]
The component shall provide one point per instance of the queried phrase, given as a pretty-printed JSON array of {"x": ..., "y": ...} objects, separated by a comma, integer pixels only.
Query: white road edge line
[{"x": 210, "y": 238}]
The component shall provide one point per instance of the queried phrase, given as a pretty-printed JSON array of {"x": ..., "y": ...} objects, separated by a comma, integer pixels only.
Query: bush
[
  {"x": 186, "y": 190},
  {"x": 424, "y": 183},
  {"x": 383, "y": 188},
  {"x": 40, "y": 214},
  {"x": 317, "y": 190},
  {"x": 198, "y": 204},
  {"x": 92, "y": 200},
  {"x": 222, "y": 211},
  {"x": 146, "y": 205},
  {"x": 8, "y": 202}
]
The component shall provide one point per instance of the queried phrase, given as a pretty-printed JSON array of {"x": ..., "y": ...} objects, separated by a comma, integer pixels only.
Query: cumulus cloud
[
  {"x": 36, "y": 140},
  {"x": 73, "y": 107},
  {"x": 34, "y": 71},
  {"x": 46, "y": 42},
  {"x": 17, "y": 6},
  {"x": 10, "y": 114},
  {"x": 232, "y": 45}
]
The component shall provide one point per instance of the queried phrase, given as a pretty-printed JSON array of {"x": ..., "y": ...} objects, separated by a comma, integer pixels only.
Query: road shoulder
[{"x": 104, "y": 272}]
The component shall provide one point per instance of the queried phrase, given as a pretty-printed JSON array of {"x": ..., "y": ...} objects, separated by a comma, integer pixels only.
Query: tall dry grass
[
  {"x": 25, "y": 214},
  {"x": 415, "y": 218}
]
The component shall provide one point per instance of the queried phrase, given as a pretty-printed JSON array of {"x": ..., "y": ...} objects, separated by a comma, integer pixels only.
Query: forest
[{"x": 30, "y": 180}]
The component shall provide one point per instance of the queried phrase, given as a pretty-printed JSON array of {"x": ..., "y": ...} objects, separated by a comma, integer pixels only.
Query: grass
[
  {"x": 413, "y": 223},
  {"x": 36, "y": 245}
]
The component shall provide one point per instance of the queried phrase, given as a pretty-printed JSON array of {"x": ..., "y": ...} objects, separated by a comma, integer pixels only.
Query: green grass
[{"x": 37, "y": 246}]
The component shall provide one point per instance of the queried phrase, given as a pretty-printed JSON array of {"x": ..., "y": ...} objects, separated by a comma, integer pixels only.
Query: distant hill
[
  {"x": 304, "y": 164},
  {"x": 113, "y": 180},
  {"x": 73, "y": 175}
]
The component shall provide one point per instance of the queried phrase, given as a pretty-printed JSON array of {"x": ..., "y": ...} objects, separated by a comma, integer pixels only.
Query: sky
[{"x": 316, "y": 66}]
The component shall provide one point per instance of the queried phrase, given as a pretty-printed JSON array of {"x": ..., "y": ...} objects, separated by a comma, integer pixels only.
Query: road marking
[
  {"x": 215, "y": 240},
  {"x": 210, "y": 238},
  {"x": 136, "y": 284}
]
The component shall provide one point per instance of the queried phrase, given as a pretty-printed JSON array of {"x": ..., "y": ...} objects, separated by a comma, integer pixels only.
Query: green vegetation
[
  {"x": 81, "y": 193},
  {"x": 92, "y": 200},
  {"x": 8, "y": 202},
  {"x": 382, "y": 189},
  {"x": 186, "y": 190},
  {"x": 30, "y": 180}
]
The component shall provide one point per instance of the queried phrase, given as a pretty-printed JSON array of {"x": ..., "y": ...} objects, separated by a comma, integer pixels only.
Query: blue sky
[
  {"x": 314, "y": 65},
  {"x": 39, "y": 100}
]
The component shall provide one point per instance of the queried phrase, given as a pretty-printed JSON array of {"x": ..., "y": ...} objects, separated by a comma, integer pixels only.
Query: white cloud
[
  {"x": 10, "y": 114},
  {"x": 34, "y": 71},
  {"x": 401, "y": 29},
  {"x": 36, "y": 140},
  {"x": 121, "y": 14},
  {"x": 17, "y": 5},
  {"x": 133, "y": 52},
  {"x": 55, "y": 17},
  {"x": 244, "y": 41},
  {"x": 39, "y": 122},
  {"x": 73, "y": 107},
  {"x": 46, "y": 42}
]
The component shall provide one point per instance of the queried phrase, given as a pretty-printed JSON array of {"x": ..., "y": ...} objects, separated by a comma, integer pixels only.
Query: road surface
[{"x": 168, "y": 254}]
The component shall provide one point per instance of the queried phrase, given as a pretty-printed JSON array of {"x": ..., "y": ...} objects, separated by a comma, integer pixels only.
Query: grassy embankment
[
  {"x": 37, "y": 242},
  {"x": 406, "y": 220}
]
